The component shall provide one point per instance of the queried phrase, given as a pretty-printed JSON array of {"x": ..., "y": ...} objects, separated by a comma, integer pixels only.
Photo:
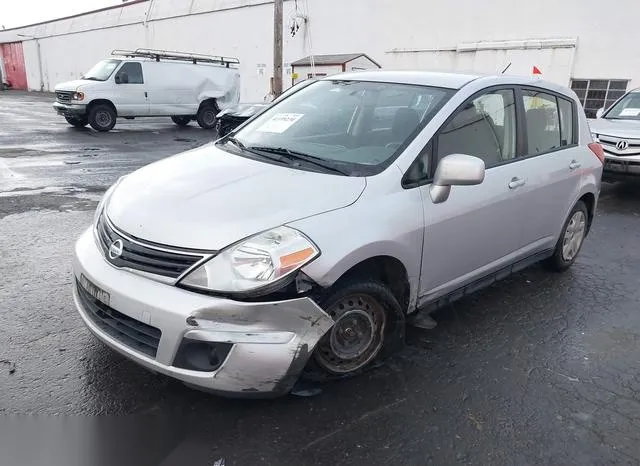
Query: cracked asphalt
[{"x": 538, "y": 369}]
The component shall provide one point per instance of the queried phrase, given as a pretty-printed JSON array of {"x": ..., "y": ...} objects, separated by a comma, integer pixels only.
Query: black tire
[
  {"x": 181, "y": 120},
  {"x": 78, "y": 122},
  {"x": 102, "y": 117},
  {"x": 206, "y": 116},
  {"x": 561, "y": 260},
  {"x": 370, "y": 326}
]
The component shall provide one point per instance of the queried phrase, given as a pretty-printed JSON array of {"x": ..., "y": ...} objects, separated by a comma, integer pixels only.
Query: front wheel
[
  {"x": 206, "y": 116},
  {"x": 102, "y": 117},
  {"x": 571, "y": 239},
  {"x": 369, "y": 325},
  {"x": 78, "y": 122},
  {"x": 181, "y": 120}
]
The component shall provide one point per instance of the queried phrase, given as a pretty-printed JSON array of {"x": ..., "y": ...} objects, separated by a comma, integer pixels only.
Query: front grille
[
  {"x": 144, "y": 256},
  {"x": 609, "y": 144},
  {"x": 133, "y": 333},
  {"x": 64, "y": 97}
]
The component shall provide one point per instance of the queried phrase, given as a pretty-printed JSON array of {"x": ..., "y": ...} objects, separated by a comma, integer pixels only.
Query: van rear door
[{"x": 130, "y": 95}]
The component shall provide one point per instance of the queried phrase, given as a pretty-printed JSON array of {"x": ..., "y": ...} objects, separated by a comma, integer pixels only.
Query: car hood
[
  {"x": 207, "y": 198},
  {"x": 616, "y": 128},
  {"x": 76, "y": 84}
]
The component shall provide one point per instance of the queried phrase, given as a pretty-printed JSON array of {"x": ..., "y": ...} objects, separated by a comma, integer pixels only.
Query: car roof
[
  {"x": 447, "y": 80},
  {"x": 423, "y": 78}
]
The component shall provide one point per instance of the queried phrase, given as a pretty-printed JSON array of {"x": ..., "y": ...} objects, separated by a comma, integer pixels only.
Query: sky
[{"x": 15, "y": 13}]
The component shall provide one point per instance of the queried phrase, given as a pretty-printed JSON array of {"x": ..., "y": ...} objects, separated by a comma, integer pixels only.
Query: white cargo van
[{"x": 145, "y": 82}]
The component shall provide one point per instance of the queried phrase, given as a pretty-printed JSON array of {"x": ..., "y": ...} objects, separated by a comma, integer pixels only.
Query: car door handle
[
  {"x": 516, "y": 182},
  {"x": 574, "y": 164}
]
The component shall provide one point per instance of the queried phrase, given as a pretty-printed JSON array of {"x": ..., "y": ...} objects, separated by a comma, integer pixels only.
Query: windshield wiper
[
  {"x": 237, "y": 143},
  {"x": 294, "y": 155}
]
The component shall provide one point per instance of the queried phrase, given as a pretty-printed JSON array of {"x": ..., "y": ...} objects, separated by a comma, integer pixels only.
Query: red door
[{"x": 14, "y": 65}]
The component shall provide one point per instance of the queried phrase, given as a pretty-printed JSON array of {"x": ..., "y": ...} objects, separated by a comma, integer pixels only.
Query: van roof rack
[{"x": 158, "y": 55}]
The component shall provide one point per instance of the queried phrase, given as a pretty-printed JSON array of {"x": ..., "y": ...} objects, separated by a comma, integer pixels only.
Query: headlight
[
  {"x": 254, "y": 263},
  {"x": 78, "y": 96}
]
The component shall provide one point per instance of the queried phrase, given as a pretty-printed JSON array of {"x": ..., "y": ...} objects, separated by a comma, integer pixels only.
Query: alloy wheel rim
[{"x": 573, "y": 236}]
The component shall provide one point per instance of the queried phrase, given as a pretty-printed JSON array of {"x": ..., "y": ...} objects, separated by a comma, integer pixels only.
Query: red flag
[{"x": 536, "y": 70}]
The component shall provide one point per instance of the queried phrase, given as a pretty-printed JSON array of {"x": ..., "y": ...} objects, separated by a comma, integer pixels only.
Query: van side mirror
[
  {"x": 455, "y": 170},
  {"x": 117, "y": 79},
  {"x": 599, "y": 113}
]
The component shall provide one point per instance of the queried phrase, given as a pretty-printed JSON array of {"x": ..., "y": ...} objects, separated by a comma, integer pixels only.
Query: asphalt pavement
[{"x": 539, "y": 369}]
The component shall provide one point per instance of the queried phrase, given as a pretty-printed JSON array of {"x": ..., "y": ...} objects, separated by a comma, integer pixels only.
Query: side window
[
  {"x": 484, "y": 127},
  {"x": 130, "y": 73},
  {"x": 566, "y": 122},
  {"x": 419, "y": 170},
  {"x": 543, "y": 122}
]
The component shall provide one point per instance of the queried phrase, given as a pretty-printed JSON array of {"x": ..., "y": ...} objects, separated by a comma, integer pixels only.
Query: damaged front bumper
[
  {"x": 70, "y": 110},
  {"x": 262, "y": 347}
]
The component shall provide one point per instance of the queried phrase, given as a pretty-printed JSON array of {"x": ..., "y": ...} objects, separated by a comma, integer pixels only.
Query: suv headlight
[
  {"x": 78, "y": 95},
  {"x": 257, "y": 262}
]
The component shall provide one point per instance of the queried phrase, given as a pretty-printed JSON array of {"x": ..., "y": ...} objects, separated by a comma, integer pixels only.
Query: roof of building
[{"x": 334, "y": 59}]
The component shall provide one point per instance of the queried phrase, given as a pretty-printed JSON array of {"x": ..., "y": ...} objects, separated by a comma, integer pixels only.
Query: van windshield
[
  {"x": 358, "y": 127},
  {"x": 627, "y": 108},
  {"x": 102, "y": 70}
]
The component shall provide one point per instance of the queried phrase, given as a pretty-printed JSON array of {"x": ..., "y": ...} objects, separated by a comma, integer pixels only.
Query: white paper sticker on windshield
[
  {"x": 280, "y": 122},
  {"x": 630, "y": 112}
]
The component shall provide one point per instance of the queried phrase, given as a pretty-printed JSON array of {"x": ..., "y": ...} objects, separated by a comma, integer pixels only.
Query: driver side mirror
[
  {"x": 117, "y": 79},
  {"x": 455, "y": 170},
  {"x": 599, "y": 113}
]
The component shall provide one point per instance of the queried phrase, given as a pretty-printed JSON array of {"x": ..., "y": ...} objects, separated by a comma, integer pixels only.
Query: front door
[
  {"x": 477, "y": 229},
  {"x": 130, "y": 95}
]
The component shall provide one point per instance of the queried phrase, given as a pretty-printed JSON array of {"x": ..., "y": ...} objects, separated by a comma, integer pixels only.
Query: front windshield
[
  {"x": 102, "y": 70},
  {"x": 627, "y": 108},
  {"x": 354, "y": 125}
]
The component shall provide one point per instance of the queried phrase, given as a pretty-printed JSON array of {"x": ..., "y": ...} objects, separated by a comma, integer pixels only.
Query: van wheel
[
  {"x": 102, "y": 117},
  {"x": 369, "y": 326},
  {"x": 181, "y": 120},
  {"x": 78, "y": 122},
  {"x": 206, "y": 116},
  {"x": 571, "y": 239}
]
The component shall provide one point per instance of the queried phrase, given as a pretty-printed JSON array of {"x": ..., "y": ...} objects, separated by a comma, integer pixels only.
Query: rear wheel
[
  {"x": 206, "y": 116},
  {"x": 181, "y": 120},
  {"x": 102, "y": 117},
  {"x": 571, "y": 239},
  {"x": 369, "y": 325},
  {"x": 78, "y": 122}
]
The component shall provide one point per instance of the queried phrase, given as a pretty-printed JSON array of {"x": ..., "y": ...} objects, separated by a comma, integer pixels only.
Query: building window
[{"x": 598, "y": 93}]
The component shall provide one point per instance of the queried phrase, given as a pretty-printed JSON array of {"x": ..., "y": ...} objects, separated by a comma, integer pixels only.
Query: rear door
[
  {"x": 130, "y": 95},
  {"x": 551, "y": 166}
]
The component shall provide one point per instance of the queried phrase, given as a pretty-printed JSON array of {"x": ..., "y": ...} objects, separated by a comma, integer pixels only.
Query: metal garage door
[{"x": 14, "y": 67}]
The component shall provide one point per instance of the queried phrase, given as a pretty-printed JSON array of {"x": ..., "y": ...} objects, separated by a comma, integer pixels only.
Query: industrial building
[{"x": 572, "y": 42}]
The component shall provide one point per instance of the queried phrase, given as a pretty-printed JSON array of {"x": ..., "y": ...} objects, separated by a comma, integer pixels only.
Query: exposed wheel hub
[
  {"x": 356, "y": 337},
  {"x": 103, "y": 119}
]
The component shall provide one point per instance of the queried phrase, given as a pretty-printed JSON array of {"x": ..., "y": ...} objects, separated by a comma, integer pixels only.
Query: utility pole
[{"x": 277, "y": 48}]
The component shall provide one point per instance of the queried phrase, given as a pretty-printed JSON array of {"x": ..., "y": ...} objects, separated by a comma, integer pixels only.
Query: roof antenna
[{"x": 503, "y": 71}]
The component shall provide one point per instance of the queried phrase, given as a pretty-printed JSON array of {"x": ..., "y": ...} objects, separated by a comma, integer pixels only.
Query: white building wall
[{"x": 400, "y": 34}]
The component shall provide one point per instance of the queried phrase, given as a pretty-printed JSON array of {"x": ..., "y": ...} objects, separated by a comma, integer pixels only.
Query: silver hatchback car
[{"x": 302, "y": 242}]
